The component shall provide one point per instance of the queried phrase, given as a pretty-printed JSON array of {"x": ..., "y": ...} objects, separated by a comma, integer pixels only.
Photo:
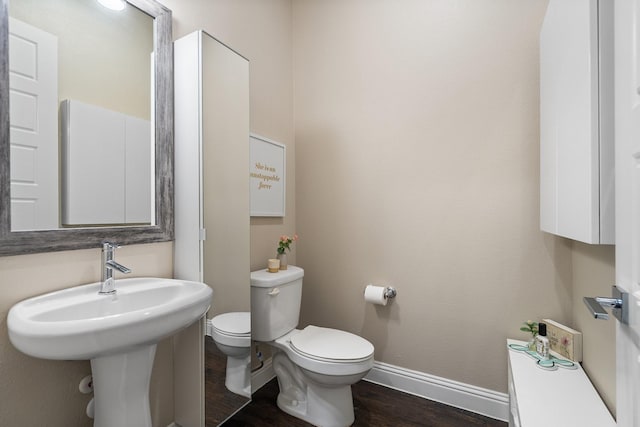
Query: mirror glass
[
  {"x": 212, "y": 241},
  {"x": 81, "y": 131},
  {"x": 225, "y": 204},
  {"x": 86, "y": 124}
]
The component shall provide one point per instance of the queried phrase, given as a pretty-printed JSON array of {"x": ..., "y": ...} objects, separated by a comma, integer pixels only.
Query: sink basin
[
  {"x": 78, "y": 323},
  {"x": 117, "y": 332}
]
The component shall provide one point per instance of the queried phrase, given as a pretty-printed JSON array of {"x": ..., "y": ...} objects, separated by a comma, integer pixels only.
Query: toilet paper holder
[{"x": 389, "y": 292}]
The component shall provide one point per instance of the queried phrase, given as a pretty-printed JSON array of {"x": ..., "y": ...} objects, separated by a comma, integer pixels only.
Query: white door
[
  {"x": 627, "y": 142},
  {"x": 33, "y": 89}
]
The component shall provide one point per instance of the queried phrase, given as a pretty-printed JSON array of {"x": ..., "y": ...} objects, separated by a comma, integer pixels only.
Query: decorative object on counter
[
  {"x": 273, "y": 265},
  {"x": 282, "y": 257},
  {"x": 564, "y": 341},
  {"x": 285, "y": 245},
  {"x": 550, "y": 364},
  {"x": 532, "y": 328},
  {"x": 542, "y": 342}
]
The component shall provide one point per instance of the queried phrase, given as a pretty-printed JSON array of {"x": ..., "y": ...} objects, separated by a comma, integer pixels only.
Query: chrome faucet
[{"x": 108, "y": 284}]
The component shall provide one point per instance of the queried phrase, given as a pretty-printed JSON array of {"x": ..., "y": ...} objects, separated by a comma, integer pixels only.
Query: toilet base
[
  {"x": 238, "y": 375},
  {"x": 320, "y": 405}
]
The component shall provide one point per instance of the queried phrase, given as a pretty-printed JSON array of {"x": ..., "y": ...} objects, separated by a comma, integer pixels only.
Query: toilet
[
  {"x": 231, "y": 332},
  {"x": 315, "y": 366}
]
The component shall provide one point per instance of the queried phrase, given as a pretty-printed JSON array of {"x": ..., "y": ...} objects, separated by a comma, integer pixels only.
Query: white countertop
[{"x": 562, "y": 398}]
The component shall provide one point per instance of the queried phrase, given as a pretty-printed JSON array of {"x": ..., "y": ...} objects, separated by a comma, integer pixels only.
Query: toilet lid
[
  {"x": 331, "y": 344},
  {"x": 235, "y": 323}
]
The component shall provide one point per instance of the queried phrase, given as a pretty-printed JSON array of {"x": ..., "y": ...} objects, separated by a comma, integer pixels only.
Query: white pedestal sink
[{"x": 118, "y": 333}]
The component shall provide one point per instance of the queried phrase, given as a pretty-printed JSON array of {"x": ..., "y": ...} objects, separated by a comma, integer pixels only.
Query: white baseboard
[
  {"x": 460, "y": 395},
  {"x": 453, "y": 393}
]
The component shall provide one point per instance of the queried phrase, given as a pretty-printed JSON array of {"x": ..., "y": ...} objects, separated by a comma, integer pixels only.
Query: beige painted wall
[
  {"x": 103, "y": 56},
  {"x": 417, "y": 138},
  {"x": 261, "y": 31},
  {"x": 593, "y": 275},
  {"x": 42, "y": 392},
  {"x": 225, "y": 154},
  {"x": 444, "y": 207}
]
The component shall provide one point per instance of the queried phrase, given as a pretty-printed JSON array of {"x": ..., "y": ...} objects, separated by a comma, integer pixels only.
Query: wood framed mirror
[{"x": 160, "y": 225}]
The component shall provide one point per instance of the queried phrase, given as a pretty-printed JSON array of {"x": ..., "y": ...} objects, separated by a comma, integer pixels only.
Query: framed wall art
[{"x": 267, "y": 176}]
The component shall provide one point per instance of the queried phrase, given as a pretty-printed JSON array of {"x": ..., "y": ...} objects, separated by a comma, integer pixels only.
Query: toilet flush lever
[
  {"x": 273, "y": 292},
  {"x": 619, "y": 304}
]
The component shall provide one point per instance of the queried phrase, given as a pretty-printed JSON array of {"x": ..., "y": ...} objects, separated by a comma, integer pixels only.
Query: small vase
[{"x": 283, "y": 261}]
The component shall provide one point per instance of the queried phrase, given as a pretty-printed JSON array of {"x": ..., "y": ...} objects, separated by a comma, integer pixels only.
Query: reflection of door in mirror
[
  {"x": 33, "y": 88},
  {"x": 77, "y": 50},
  {"x": 212, "y": 208}
]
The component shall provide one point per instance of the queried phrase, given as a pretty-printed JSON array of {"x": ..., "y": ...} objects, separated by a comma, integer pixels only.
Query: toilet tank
[{"x": 275, "y": 302}]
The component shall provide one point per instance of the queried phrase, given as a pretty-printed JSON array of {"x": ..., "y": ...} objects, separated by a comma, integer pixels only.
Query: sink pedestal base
[{"x": 121, "y": 388}]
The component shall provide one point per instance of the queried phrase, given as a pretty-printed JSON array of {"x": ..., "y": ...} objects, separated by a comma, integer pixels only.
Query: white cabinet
[
  {"x": 212, "y": 168},
  {"x": 106, "y": 166},
  {"x": 560, "y": 398},
  {"x": 576, "y": 120},
  {"x": 212, "y": 241}
]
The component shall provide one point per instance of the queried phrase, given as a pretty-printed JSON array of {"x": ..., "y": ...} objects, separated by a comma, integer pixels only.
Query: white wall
[{"x": 593, "y": 275}]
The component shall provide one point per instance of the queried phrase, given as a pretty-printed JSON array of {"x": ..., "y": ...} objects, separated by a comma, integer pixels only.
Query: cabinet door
[
  {"x": 576, "y": 145},
  {"x": 93, "y": 178},
  {"x": 107, "y": 174},
  {"x": 627, "y": 85},
  {"x": 225, "y": 160}
]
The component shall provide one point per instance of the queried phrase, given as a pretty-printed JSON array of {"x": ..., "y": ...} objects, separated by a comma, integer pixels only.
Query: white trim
[
  {"x": 262, "y": 376},
  {"x": 471, "y": 398},
  {"x": 173, "y": 424},
  {"x": 453, "y": 393}
]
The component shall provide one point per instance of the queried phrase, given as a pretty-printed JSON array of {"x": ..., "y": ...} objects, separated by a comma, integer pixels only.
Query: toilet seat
[
  {"x": 331, "y": 345},
  {"x": 323, "y": 356},
  {"x": 233, "y": 329}
]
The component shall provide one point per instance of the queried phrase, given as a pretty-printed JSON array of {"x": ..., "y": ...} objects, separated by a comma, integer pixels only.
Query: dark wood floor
[
  {"x": 374, "y": 405},
  {"x": 220, "y": 403}
]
